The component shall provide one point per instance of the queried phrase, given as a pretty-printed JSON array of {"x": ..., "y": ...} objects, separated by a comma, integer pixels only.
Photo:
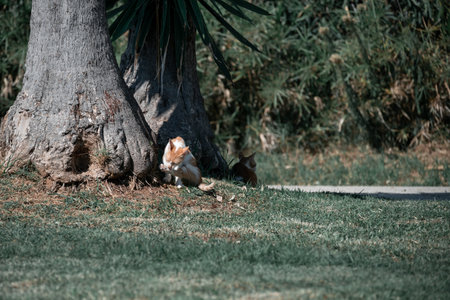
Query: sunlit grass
[{"x": 359, "y": 166}]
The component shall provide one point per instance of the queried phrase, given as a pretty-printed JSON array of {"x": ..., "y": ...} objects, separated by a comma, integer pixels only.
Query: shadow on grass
[
  {"x": 396, "y": 196},
  {"x": 423, "y": 196}
]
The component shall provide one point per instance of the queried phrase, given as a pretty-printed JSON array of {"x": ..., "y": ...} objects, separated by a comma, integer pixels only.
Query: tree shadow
[{"x": 397, "y": 196}]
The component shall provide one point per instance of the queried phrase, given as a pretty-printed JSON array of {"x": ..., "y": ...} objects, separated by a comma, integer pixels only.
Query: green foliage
[
  {"x": 376, "y": 71},
  {"x": 175, "y": 18},
  {"x": 14, "y": 32}
]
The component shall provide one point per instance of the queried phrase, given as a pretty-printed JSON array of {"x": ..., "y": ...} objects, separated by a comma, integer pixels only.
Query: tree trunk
[
  {"x": 74, "y": 118},
  {"x": 172, "y": 106}
]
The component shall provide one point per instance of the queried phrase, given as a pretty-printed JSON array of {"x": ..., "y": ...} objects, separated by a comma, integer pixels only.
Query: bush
[
  {"x": 14, "y": 32},
  {"x": 331, "y": 71}
]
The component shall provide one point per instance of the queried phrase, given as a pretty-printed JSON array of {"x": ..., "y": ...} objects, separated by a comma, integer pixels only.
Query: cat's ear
[
  {"x": 186, "y": 149},
  {"x": 253, "y": 155},
  {"x": 171, "y": 145}
]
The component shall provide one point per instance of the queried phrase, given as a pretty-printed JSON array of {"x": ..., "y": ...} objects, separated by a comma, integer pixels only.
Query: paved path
[{"x": 389, "y": 192}]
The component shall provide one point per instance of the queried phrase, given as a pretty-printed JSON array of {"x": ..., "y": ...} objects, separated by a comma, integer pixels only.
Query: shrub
[
  {"x": 333, "y": 70},
  {"x": 14, "y": 32}
]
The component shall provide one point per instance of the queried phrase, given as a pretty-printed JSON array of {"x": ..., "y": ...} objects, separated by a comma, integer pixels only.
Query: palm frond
[{"x": 173, "y": 18}]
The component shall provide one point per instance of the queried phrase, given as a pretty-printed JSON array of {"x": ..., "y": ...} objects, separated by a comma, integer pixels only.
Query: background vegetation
[
  {"x": 14, "y": 32},
  {"x": 329, "y": 72},
  {"x": 333, "y": 71}
]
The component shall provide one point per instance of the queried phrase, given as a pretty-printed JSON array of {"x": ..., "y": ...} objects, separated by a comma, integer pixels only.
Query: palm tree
[{"x": 159, "y": 66}]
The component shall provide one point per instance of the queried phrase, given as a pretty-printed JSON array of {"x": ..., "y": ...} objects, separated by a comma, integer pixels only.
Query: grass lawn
[
  {"x": 427, "y": 164},
  {"x": 107, "y": 241}
]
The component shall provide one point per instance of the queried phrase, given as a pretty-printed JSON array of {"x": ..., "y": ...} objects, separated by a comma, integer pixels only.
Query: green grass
[
  {"x": 355, "y": 168},
  {"x": 165, "y": 243}
]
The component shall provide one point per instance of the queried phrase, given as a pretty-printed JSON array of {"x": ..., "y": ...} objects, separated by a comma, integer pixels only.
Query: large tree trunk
[
  {"x": 74, "y": 118},
  {"x": 171, "y": 105}
]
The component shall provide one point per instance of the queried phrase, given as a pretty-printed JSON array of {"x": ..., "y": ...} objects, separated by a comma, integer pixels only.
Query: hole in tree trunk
[{"x": 80, "y": 158}]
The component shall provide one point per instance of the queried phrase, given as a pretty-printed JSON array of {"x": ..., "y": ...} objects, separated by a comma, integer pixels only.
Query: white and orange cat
[
  {"x": 179, "y": 162},
  {"x": 245, "y": 169}
]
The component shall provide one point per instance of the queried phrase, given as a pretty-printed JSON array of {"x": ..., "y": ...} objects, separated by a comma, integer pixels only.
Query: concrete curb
[{"x": 388, "y": 192}]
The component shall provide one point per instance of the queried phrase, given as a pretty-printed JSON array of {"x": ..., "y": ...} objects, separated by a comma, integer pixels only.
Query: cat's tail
[{"x": 206, "y": 188}]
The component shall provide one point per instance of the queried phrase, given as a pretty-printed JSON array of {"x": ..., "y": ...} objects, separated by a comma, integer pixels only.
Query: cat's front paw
[{"x": 178, "y": 182}]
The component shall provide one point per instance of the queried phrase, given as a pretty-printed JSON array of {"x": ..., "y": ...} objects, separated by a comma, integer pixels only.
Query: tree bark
[
  {"x": 74, "y": 118},
  {"x": 172, "y": 104}
]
